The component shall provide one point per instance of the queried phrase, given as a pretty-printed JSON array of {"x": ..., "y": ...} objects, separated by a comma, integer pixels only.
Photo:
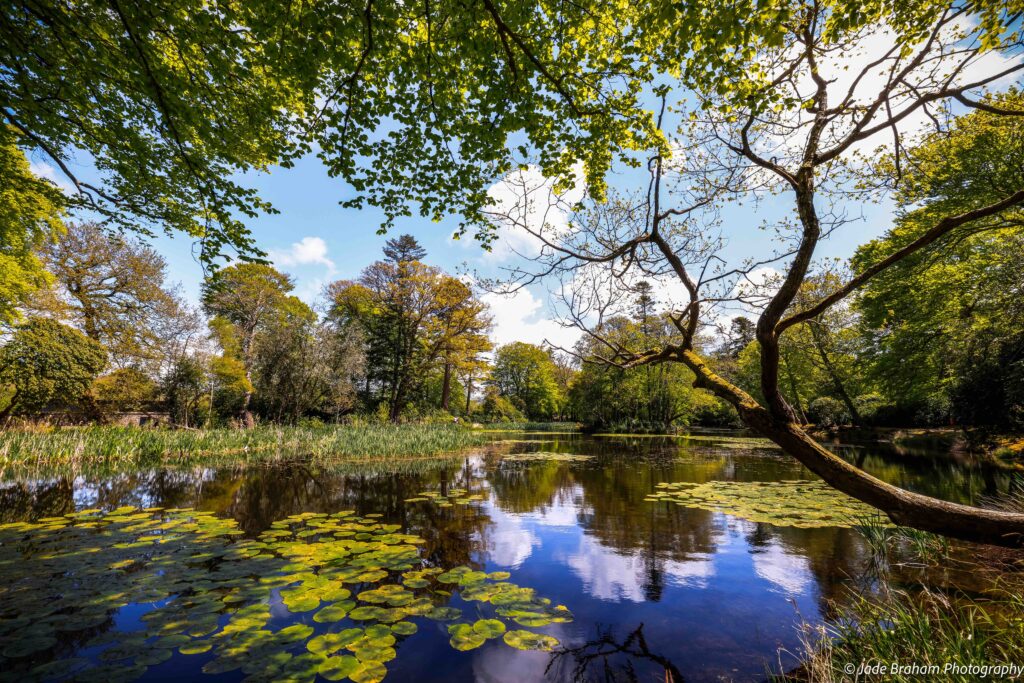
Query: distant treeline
[{"x": 407, "y": 341}]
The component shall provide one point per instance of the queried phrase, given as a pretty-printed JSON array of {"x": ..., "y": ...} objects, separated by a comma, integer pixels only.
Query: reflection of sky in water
[
  {"x": 712, "y": 592},
  {"x": 710, "y": 606}
]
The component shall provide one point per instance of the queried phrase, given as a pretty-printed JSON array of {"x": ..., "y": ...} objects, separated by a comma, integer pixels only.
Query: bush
[
  {"x": 497, "y": 408},
  {"x": 828, "y": 412},
  {"x": 714, "y": 413},
  {"x": 868, "y": 406},
  {"x": 125, "y": 389}
]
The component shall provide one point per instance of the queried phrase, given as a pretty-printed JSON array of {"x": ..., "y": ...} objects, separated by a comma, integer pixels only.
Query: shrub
[{"x": 828, "y": 412}]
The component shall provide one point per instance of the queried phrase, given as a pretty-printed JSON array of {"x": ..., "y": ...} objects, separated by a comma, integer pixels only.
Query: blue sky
[{"x": 317, "y": 241}]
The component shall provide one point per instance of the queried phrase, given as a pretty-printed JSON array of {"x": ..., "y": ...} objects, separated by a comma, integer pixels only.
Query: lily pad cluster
[
  {"x": 795, "y": 503},
  {"x": 447, "y": 500},
  {"x": 516, "y": 603},
  {"x": 315, "y": 595},
  {"x": 547, "y": 456}
]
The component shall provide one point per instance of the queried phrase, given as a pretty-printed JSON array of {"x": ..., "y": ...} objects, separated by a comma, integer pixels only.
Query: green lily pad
[
  {"x": 795, "y": 503},
  {"x": 465, "y": 637},
  {"x": 528, "y": 640},
  {"x": 60, "y": 668},
  {"x": 196, "y": 647},
  {"x": 295, "y": 632},
  {"x": 489, "y": 628},
  {"x": 338, "y": 668},
  {"x": 28, "y": 646},
  {"x": 369, "y": 672},
  {"x": 404, "y": 628},
  {"x": 335, "y": 612},
  {"x": 444, "y": 613}
]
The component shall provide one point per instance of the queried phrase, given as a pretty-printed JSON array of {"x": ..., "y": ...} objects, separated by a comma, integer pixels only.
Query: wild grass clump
[
  {"x": 132, "y": 445},
  {"x": 888, "y": 621}
]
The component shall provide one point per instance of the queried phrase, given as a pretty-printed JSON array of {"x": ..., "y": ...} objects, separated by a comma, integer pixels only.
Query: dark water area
[{"x": 652, "y": 586}]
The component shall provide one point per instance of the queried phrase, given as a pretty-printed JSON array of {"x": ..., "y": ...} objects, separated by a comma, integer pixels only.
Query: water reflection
[{"x": 657, "y": 590}]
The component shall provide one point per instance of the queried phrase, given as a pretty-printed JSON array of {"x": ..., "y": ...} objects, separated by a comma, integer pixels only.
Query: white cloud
[
  {"x": 307, "y": 251},
  {"x": 853, "y": 71},
  {"x": 525, "y": 201},
  {"x": 523, "y": 317},
  {"x": 48, "y": 172}
]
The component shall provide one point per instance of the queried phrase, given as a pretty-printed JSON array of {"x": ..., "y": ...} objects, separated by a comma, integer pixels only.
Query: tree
[
  {"x": 112, "y": 289},
  {"x": 525, "y": 375},
  {"x": 775, "y": 117},
  {"x": 303, "y": 367},
  {"x": 740, "y": 336},
  {"x": 245, "y": 299},
  {"x": 174, "y": 99},
  {"x": 414, "y": 318},
  {"x": 185, "y": 386},
  {"x": 30, "y": 216},
  {"x": 124, "y": 389},
  {"x": 943, "y": 325},
  {"x": 650, "y": 398},
  {"x": 44, "y": 362}
]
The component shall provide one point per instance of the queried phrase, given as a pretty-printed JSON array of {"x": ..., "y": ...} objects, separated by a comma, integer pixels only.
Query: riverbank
[
  {"x": 101, "y": 445},
  {"x": 925, "y": 607}
]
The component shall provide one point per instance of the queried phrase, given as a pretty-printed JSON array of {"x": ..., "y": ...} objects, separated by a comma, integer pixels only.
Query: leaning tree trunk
[{"x": 963, "y": 522}]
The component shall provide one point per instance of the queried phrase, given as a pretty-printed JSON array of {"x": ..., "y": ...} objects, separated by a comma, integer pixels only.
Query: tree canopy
[{"x": 46, "y": 361}]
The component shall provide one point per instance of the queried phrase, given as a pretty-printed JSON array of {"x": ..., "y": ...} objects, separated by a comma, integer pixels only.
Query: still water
[{"x": 657, "y": 591}]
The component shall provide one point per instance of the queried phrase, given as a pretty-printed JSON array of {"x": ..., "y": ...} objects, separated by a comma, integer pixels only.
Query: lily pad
[
  {"x": 464, "y": 637},
  {"x": 338, "y": 668},
  {"x": 528, "y": 640},
  {"x": 335, "y": 612},
  {"x": 795, "y": 503},
  {"x": 489, "y": 628}
]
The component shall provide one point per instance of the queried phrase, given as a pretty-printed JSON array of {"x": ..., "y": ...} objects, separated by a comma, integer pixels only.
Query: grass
[
  {"x": 885, "y": 622},
  {"x": 91, "y": 446}
]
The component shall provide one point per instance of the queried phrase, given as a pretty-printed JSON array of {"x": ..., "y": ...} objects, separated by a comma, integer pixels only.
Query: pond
[{"x": 542, "y": 557}]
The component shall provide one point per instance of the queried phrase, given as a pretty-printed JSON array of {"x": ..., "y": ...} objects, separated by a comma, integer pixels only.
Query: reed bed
[{"x": 97, "y": 445}]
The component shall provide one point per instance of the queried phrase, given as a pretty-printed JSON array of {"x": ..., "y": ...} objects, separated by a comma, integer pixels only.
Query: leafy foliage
[
  {"x": 524, "y": 374},
  {"x": 45, "y": 361},
  {"x": 30, "y": 216},
  {"x": 944, "y": 324}
]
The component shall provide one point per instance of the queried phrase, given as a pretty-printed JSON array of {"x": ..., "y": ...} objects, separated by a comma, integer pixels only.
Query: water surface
[{"x": 653, "y": 587}]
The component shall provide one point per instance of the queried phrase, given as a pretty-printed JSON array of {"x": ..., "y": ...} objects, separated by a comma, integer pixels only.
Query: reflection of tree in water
[
  {"x": 615, "y": 512},
  {"x": 530, "y": 486},
  {"x": 21, "y": 501},
  {"x": 607, "y": 659}
]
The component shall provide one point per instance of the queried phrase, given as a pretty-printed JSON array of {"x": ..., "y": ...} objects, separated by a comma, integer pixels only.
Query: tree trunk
[
  {"x": 963, "y": 522},
  {"x": 245, "y": 415},
  {"x": 446, "y": 388},
  {"x": 469, "y": 393},
  {"x": 796, "y": 394},
  {"x": 5, "y": 413},
  {"x": 833, "y": 374}
]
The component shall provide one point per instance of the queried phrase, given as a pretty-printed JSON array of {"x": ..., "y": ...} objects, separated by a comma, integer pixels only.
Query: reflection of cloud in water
[
  {"x": 509, "y": 542},
  {"x": 791, "y": 573},
  {"x": 608, "y": 575},
  {"x": 499, "y": 663}
]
